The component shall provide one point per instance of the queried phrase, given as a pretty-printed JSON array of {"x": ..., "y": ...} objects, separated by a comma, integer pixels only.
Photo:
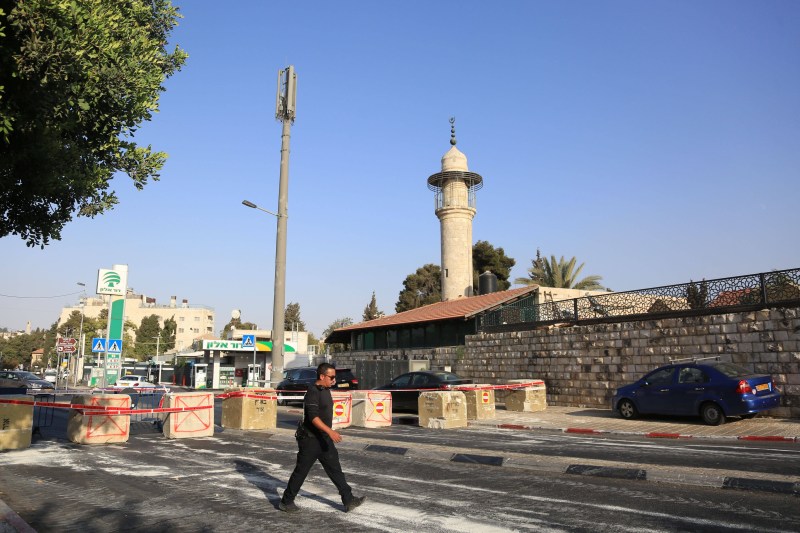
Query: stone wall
[{"x": 583, "y": 365}]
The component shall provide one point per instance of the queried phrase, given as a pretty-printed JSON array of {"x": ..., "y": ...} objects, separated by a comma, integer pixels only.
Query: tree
[
  {"x": 421, "y": 288},
  {"x": 559, "y": 274},
  {"x": 371, "y": 311},
  {"x": 167, "y": 335},
  {"x": 697, "y": 297},
  {"x": 487, "y": 257},
  {"x": 76, "y": 81},
  {"x": 336, "y": 324},
  {"x": 291, "y": 318},
  {"x": 148, "y": 334},
  {"x": 17, "y": 349},
  {"x": 236, "y": 323}
]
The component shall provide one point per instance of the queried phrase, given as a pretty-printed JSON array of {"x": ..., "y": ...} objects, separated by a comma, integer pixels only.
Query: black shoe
[
  {"x": 353, "y": 503},
  {"x": 290, "y": 507}
]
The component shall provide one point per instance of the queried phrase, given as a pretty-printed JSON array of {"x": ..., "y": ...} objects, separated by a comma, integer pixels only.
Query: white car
[{"x": 132, "y": 382}]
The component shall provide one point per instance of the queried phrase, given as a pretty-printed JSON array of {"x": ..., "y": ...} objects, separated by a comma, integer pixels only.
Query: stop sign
[
  {"x": 338, "y": 409},
  {"x": 379, "y": 407},
  {"x": 486, "y": 396}
]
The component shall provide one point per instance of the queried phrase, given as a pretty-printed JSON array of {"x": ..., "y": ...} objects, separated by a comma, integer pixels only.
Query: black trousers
[{"x": 313, "y": 448}]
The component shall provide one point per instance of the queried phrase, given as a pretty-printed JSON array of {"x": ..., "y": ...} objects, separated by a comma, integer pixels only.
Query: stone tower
[{"x": 455, "y": 188}]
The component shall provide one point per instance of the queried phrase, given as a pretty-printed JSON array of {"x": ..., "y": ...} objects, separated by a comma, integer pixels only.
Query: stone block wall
[{"x": 583, "y": 365}]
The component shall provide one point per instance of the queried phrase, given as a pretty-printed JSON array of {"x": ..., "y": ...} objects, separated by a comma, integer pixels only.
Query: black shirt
[{"x": 318, "y": 403}]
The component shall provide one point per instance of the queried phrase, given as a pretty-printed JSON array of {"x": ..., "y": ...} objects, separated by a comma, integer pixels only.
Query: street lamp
[
  {"x": 279, "y": 291},
  {"x": 254, "y": 206}
]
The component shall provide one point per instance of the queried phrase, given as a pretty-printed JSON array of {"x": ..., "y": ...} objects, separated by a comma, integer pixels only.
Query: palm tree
[{"x": 559, "y": 274}]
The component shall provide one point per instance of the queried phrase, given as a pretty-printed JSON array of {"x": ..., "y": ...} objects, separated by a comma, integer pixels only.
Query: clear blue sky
[{"x": 656, "y": 141}]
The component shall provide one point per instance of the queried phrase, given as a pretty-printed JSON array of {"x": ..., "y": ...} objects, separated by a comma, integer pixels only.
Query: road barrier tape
[
  {"x": 106, "y": 410},
  {"x": 241, "y": 394}
]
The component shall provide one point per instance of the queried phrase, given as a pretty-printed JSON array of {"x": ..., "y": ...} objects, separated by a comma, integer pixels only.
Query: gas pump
[
  {"x": 253, "y": 375},
  {"x": 200, "y": 370}
]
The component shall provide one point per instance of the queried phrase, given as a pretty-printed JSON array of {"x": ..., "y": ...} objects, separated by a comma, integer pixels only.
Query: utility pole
[
  {"x": 79, "y": 363},
  {"x": 285, "y": 101}
]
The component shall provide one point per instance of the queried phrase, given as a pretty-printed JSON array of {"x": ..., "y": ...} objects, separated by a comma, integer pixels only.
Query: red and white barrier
[
  {"x": 197, "y": 420},
  {"x": 372, "y": 409},
  {"x": 98, "y": 419}
]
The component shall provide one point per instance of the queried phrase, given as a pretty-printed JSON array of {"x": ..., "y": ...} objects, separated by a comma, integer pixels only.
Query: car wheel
[
  {"x": 627, "y": 410},
  {"x": 712, "y": 414},
  {"x": 280, "y": 401}
]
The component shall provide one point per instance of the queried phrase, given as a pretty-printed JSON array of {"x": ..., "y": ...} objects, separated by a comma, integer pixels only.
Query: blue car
[{"x": 713, "y": 390}]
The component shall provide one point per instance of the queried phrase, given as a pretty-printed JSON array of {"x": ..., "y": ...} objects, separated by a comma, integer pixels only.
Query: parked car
[
  {"x": 406, "y": 388},
  {"x": 713, "y": 390},
  {"x": 299, "y": 379},
  {"x": 51, "y": 375},
  {"x": 132, "y": 382},
  {"x": 22, "y": 379}
]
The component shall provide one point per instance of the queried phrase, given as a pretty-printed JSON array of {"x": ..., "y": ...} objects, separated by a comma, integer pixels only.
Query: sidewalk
[{"x": 606, "y": 421}]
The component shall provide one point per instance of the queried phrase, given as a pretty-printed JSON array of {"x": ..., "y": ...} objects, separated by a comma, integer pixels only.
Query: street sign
[
  {"x": 114, "y": 346},
  {"x": 66, "y": 349},
  {"x": 98, "y": 344},
  {"x": 248, "y": 341},
  {"x": 66, "y": 341}
]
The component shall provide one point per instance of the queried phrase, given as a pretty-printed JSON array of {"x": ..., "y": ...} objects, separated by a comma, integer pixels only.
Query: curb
[
  {"x": 11, "y": 522},
  {"x": 646, "y": 434}
]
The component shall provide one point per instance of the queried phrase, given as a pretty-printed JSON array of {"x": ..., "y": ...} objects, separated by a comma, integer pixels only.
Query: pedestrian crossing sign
[
  {"x": 114, "y": 346},
  {"x": 248, "y": 341},
  {"x": 98, "y": 344}
]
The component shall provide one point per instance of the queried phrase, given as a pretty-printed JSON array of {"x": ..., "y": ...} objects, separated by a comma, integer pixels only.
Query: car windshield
[
  {"x": 447, "y": 376},
  {"x": 27, "y": 375},
  {"x": 732, "y": 371},
  {"x": 343, "y": 375}
]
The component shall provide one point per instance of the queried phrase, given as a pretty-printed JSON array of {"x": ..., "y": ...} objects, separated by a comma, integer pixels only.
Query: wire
[{"x": 57, "y": 296}]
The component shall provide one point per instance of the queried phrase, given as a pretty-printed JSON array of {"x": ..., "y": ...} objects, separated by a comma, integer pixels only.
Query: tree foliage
[
  {"x": 423, "y": 287},
  {"x": 291, "y": 318},
  {"x": 336, "y": 324},
  {"x": 559, "y": 274},
  {"x": 371, "y": 311},
  {"x": 236, "y": 323},
  {"x": 487, "y": 257},
  {"x": 77, "y": 78},
  {"x": 697, "y": 297},
  {"x": 17, "y": 350}
]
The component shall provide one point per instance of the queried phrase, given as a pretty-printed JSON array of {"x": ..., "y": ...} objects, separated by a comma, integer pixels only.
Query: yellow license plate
[
  {"x": 343, "y": 385},
  {"x": 763, "y": 386}
]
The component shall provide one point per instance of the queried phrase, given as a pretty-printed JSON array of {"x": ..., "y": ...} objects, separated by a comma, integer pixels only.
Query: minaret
[{"x": 455, "y": 188}]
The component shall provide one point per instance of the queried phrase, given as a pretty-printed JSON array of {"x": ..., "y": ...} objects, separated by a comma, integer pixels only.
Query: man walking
[{"x": 315, "y": 440}]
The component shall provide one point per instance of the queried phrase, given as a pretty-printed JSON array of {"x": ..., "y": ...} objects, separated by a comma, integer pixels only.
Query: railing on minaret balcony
[
  {"x": 472, "y": 200},
  {"x": 438, "y": 184}
]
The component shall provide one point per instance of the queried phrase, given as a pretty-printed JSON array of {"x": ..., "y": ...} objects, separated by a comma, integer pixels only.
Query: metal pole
[{"x": 278, "y": 308}]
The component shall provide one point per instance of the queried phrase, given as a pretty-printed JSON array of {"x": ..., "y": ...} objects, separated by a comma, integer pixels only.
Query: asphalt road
[{"x": 233, "y": 481}]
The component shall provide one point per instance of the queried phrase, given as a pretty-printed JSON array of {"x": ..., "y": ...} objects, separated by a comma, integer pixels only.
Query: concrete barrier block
[
  {"x": 529, "y": 399},
  {"x": 197, "y": 422},
  {"x": 480, "y": 402},
  {"x": 83, "y": 428},
  {"x": 342, "y": 409},
  {"x": 372, "y": 409},
  {"x": 254, "y": 409},
  {"x": 442, "y": 409},
  {"x": 16, "y": 423}
]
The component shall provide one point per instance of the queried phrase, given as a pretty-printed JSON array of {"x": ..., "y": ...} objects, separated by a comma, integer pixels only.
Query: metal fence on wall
[{"x": 700, "y": 296}]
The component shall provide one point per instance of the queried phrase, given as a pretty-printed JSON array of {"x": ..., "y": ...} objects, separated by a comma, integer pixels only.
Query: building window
[
  {"x": 180, "y": 330},
  {"x": 197, "y": 319},
  {"x": 181, "y": 318}
]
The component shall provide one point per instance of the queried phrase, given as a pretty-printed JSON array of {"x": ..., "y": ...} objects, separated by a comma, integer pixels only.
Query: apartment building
[{"x": 193, "y": 321}]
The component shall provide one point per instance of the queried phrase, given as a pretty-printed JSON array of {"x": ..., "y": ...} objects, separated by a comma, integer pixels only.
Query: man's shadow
[{"x": 269, "y": 485}]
